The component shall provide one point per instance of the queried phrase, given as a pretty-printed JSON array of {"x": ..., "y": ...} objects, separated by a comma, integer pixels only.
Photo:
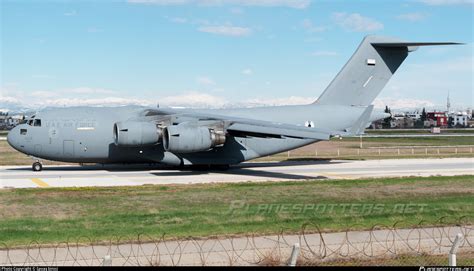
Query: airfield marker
[{"x": 39, "y": 182}]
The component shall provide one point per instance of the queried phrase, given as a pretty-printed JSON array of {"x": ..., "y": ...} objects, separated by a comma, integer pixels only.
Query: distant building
[
  {"x": 430, "y": 123},
  {"x": 459, "y": 120},
  {"x": 402, "y": 121},
  {"x": 378, "y": 124},
  {"x": 436, "y": 118},
  {"x": 3, "y": 121},
  {"x": 469, "y": 113},
  {"x": 8, "y": 122},
  {"x": 413, "y": 115},
  {"x": 397, "y": 120},
  {"x": 470, "y": 123}
]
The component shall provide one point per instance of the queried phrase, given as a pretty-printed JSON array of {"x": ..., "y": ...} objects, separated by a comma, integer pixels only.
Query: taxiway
[{"x": 123, "y": 175}]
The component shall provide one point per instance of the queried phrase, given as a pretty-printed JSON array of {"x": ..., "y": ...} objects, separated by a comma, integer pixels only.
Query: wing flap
[{"x": 268, "y": 130}]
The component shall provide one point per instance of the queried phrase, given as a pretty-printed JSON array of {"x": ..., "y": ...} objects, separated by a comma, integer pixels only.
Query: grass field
[{"x": 53, "y": 215}]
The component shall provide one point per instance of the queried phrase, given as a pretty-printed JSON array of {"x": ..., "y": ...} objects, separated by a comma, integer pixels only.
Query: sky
[{"x": 224, "y": 53}]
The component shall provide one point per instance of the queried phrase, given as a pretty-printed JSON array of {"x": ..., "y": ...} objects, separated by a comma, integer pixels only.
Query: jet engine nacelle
[
  {"x": 188, "y": 139},
  {"x": 136, "y": 133}
]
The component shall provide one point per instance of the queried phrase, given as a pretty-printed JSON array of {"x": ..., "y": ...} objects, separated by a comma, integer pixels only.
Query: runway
[{"x": 123, "y": 175}]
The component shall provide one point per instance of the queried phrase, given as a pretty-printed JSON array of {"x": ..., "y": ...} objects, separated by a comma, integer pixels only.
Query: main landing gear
[{"x": 37, "y": 166}]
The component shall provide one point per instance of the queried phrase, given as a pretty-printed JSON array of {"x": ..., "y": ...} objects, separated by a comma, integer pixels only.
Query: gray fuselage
[{"x": 85, "y": 134}]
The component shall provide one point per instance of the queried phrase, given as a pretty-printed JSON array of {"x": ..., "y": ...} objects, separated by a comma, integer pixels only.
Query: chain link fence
[{"x": 374, "y": 152}]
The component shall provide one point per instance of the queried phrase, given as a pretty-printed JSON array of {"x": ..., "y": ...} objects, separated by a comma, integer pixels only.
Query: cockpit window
[
  {"x": 23, "y": 131},
  {"x": 30, "y": 120},
  {"x": 37, "y": 122}
]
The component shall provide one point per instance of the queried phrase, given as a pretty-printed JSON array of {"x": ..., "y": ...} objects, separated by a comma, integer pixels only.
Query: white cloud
[
  {"x": 226, "y": 30},
  {"x": 237, "y": 11},
  {"x": 298, "y": 4},
  {"x": 356, "y": 22},
  {"x": 70, "y": 13},
  {"x": 447, "y": 2},
  {"x": 402, "y": 103},
  {"x": 87, "y": 90},
  {"x": 412, "y": 17},
  {"x": 194, "y": 100},
  {"x": 8, "y": 103},
  {"x": 247, "y": 71},
  {"x": 179, "y": 20},
  {"x": 42, "y": 76},
  {"x": 14, "y": 98},
  {"x": 311, "y": 28},
  {"x": 324, "y": 53},
  {"x": 204, "y": 80},
  {"x": 41, "y": 94},
  {"x": 8, "y": 99},
  {"x": 109, "y": 101},
  {"x": 313, "y": 39},
  {"x": 292, "y": 100},
  {"x": 191, "y": 99}
]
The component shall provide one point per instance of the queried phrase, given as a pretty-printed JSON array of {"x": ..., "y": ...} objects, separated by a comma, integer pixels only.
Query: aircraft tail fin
[
  {"x": 368, "y": 71},
  {"x": 359, "y": 126}
]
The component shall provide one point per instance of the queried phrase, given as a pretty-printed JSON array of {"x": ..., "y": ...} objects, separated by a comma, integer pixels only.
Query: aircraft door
[{"x": 68, "y": 148}]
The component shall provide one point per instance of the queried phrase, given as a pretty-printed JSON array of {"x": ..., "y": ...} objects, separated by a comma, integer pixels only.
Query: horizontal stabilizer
[{"x": 407, "y": 44}]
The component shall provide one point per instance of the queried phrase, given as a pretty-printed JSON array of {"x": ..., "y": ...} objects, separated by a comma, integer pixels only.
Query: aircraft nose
[{"x": 12, "y": 137}]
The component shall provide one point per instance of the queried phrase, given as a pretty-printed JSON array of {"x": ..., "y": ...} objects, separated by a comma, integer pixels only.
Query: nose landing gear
[{"x": 37, "y": 166}]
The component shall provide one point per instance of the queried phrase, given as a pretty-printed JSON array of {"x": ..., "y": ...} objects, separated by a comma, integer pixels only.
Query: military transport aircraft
[{"x": 219, "y": 137}]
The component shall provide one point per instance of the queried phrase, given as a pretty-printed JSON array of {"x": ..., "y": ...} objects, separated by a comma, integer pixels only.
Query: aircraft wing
[
  {"x": 257, "y": 128},
  {"x": 247, "y": 127}
]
